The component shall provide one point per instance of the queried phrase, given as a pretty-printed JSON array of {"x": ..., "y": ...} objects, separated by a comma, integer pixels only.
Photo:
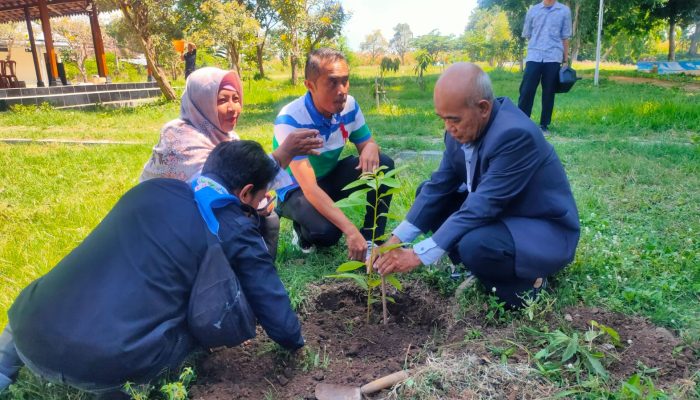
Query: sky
[{"x": 448, "y": 16}]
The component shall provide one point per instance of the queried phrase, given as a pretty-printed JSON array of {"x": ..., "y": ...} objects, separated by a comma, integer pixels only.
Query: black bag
[
  {"x": 219, "y": 314},
  {"x": 567, "y": 78}
]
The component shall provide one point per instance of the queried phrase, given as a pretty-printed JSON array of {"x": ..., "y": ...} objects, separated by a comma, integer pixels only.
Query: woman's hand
[{"x": 299, "y": 142}]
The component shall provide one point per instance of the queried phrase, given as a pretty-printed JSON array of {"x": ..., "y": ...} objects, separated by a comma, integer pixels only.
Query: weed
[
  {"x": 313, "y": 359},
  {"x": 473, "y": 334},
  {"x": 568, "y": 354}
]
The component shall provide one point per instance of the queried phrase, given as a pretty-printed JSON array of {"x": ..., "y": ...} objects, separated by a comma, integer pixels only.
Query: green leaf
[
  {"x": 570, "y": 349},
  {"x": 542, "y": 354},
  {"x": 394, "y": 282},
  {"x": 360, "y": 193},
  {"x": 359, "y": 279},
  {"x": 350, "y": 266},
  {"x": 391, "y": 216},
  {"x": 595, "y": 365},
  {"x": 390, "y": 299},
  {"x": 354, "y": 184},
  {"x": 350, "y": 202},
  {"x": 391, "y": 182},
  {"x": 383, "y": 237},
  {"x": 390, "y": 247},
  {"x": 390, "y": 192},
  {"x": 373, "y": 283},
  {"x": 614, "y": 336}
]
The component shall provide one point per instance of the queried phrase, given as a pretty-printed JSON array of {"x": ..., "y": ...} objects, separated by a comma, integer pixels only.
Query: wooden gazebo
[{"x": 43, "y": 10}]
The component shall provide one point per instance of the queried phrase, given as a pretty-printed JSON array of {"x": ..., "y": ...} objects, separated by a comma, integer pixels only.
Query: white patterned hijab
[{"x": 185, "y": 142}]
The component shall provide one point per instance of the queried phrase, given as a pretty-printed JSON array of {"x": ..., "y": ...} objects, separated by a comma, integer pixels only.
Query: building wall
[{"x": 25, "y": 64}]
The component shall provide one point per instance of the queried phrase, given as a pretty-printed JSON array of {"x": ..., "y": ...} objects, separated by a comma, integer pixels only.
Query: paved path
[{"x": 68, "y": 141}]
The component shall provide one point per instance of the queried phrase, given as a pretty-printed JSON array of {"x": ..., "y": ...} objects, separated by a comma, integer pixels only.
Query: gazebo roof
[{"x": 13, "y": 10}]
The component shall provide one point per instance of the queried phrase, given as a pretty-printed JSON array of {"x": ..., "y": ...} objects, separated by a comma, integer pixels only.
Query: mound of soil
[
  {"x": 642, "y": 342},
  {"x": 342, "y": 348},
  {"x": 346, "y": 349}
]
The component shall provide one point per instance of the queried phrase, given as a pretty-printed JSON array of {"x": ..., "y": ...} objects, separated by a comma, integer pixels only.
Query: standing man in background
[
  {"x": 548, "y": 29},
  {"x": 190, "y": 59}
]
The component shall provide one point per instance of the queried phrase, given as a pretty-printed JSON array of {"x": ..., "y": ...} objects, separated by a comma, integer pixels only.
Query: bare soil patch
[
  {"x": 423, "y": 336},
  {"x": 643, "y": 342},
  {"x": 350, "y": 351}
]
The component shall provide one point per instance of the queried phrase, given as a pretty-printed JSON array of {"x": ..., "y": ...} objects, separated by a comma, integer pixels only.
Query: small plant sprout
[{"x": 367, "y": 182}]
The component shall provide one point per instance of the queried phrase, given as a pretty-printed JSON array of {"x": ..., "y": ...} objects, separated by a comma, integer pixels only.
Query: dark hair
[
  {"x": 312, "y": 70},
  {"x": 239, "y": 163}
]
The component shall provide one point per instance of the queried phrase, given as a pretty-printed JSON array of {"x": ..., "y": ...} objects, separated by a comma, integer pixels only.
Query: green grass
[{"x": 630, "y": 152}]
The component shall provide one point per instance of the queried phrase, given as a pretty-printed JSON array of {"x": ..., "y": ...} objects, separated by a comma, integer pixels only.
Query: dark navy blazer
[
  {"x": 115, "y": 307},
  {"x": 518, "y": 179}
]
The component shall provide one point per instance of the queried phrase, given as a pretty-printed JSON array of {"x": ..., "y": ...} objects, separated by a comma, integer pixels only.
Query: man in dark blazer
[{"x": 500, "y": 202}]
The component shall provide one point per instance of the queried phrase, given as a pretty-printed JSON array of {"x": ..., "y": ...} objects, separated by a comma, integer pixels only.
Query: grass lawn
[{"x": 631, "y": 153}]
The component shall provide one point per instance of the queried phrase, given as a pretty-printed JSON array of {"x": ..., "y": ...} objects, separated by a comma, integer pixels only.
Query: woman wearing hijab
[{"x": 210, "y": 107}]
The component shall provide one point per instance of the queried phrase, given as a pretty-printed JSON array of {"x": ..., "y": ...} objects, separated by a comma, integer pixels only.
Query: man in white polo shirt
[{"x": 319, "y": 179}]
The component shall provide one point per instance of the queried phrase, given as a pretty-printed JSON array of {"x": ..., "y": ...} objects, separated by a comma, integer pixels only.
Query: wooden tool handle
[{"x": 384, "y": 382}]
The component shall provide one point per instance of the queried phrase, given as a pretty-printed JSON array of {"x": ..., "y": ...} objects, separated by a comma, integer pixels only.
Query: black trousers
[
  {"x": 489, "y": 253},
  {"x": 313, "y": 227},
  {"x": 535, "y": 72}
]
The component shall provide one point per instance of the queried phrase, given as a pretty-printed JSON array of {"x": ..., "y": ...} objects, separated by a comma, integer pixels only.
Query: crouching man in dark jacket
[{"x": 118, "y": 308}]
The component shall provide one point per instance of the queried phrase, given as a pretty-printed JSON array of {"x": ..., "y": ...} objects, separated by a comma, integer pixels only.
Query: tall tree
[
  {"x": 267, "y": 18},
  {"x": 401, "y": 41},
  {"x": 375, "y": 45},
  {"x": 149, "y": 19},
  {"x": 228, "y": 24},
  {"x": 325, "y": 21},
  {"x": 516, "y": 11},
  {"x": 78, "y": 35},
  {"x": 488, "y": 36},
  {"x": 293, "y": 15},
  {"x": 435, "y": 44},
  {"x": 694, "y": 39},
  {"x": 674, "y": 12}
]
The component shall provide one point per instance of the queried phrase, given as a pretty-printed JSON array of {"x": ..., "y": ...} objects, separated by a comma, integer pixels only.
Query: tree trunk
[
  {"x": 234, "y": 57},
  {"x": 82, "y": 56},
  {"x": 137, "y": 17},
  {"x": 293, "y": 63},
  {"x": 607, "y": 52},
  {"x": 576, "y": 34},
  {"x": 156, "y": 71},
  {"x": 293, "y": 57},
  {"x": 672, "y": 39},
  {"x": 693, "y": 50},
  {"x": 259, "y": 48},
  {"x": 575, "y": 51},
  {"x": 11, "y": 43}
]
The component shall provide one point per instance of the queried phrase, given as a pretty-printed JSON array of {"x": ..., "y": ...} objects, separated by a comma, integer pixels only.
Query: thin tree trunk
[
  {"x": 607, "y": 52},
  {"x": 10, "y": 43},
  {"x": 293, "y": 62},
  {"x": 156, "y": 71},
  {"x": 259, "y": 48},
  {"x": 137, "y": 18},
  {"x": 672, "y": 39},
  {"x": 693, "y": 50},
  {"x": 576, "y": 34},
  {"x": 234, "y": 57},
  {"x": 293, "y": 56}
]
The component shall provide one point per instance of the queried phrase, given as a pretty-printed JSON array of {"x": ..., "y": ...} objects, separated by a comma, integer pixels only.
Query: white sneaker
[
  {"x": 296, "y": 241},
  {"x": 370, "y": 246}
]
